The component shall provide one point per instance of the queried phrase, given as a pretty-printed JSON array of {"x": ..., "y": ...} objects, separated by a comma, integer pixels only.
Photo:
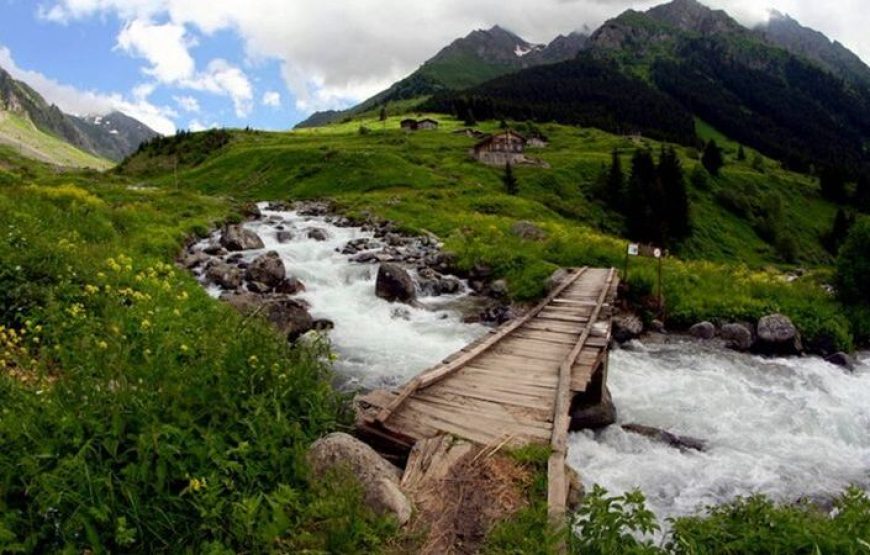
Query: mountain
[
  {"x": 112, "y": 136},
  {"x": 787, "y": 33},
  {"x": 480, "y": 56}
]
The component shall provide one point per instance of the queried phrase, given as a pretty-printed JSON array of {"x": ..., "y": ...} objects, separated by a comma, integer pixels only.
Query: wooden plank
[
  {"x": 557, "y": 490},
  {"x": 476, "y": 412},
  {"x": 428, "y": 378},
  {"x": 500, "y": 396},
  {"x": 497, "y": 361},
  {"x": 486, "y": 430}
]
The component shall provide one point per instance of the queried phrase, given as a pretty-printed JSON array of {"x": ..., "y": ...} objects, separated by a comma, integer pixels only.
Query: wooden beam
[
  {"x": 557, "y": 490},
  {"x": 440, "y": 372}
]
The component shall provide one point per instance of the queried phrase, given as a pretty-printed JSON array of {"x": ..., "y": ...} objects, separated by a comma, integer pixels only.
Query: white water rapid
[
  {"x": 788, "y": 428},
  {"x": 379, "y": 344}
]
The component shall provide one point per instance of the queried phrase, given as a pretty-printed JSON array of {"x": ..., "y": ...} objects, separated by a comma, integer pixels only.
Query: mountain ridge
[{"x": 112, "y": 136}]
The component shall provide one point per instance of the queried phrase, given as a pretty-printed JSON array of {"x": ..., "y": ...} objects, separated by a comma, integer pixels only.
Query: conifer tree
[
  {"x": 638, "y": 203},
  {"x": 741, "y": 154},
  {"x": 615, "y": 182},
  {"x": 712, "y": 158},
  {"x": 383, "y": 115},
  {"x": 511, "y": 186},
  {"x": 675, "y": 200}
]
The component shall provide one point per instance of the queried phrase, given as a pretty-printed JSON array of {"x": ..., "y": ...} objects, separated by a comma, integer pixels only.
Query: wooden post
[{"x": 660, "y": 284}]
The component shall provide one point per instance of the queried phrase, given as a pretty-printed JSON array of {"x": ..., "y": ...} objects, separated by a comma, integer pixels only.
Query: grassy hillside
[
  {"x": 427, "y": 181},
  {"x": 140, "y": 415},
  {"x": 22, "y": 135}
]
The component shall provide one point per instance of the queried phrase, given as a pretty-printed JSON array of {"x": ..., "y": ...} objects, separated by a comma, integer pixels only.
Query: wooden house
[
  {"x": 427, "y": 123},
  {"x": 537, "y": 140},
  {"x": 409, "y": 124},
  {"x": 506, "y": 147}
]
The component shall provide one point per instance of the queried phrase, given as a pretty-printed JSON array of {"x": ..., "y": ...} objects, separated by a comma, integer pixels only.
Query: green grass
[
  {"x": 426, "y": 180},
  {"x": 30, "y": 141},
  {"x": 138, "y": 414}
]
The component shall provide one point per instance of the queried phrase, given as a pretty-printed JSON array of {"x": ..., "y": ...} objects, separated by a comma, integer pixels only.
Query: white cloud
[
  {"x": 272, "y": 99},
  {"x": 196, "y": 125},
  {"x": 78, "y": 102},
  {"x": 221, "y": 77},
  {"x": 341, "y": 51},
  {"x": 187, "y": 103},
  {"x": 164, "y": 46}
]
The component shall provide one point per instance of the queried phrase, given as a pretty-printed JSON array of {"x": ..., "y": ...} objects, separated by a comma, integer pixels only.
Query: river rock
[
  {"x": 194, "y": 260},
  {"x": 237, "y": 238},
  {"x": 777, "y": 335},
  {"x": 214, "y": 249},
  {"x": 395, "y": 284},
  {"x": 318, "y": 234},
  {"x": 498, "y": 289},
  {"x": 626, "y": 327},
  {"x": 290, "y": 286},
  {"x": 267, "y": 269},
  {"x": 556, "y": 278},
  {"x": 528, "y": 231},
  {"x": 251, "y": 211},
  {"x": 703, "y": 330},
  {"x": 842, "y": 359},
  {"x": 737, "y": 336},
  {"x": 289, "y": 316},
  {"x": 378, "y": 478},
  {"x": 593, "y": 416},
  {"x": 576, "y": 491},
  {"x": 224, "y": 275},
  {"x": 323, "y": 324},
  {"x": 683, "y": 443},
  {"x": 284, "y": 236}
]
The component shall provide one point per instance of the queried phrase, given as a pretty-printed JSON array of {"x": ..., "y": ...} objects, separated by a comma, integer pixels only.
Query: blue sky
[{"x": 192, "y": 64}]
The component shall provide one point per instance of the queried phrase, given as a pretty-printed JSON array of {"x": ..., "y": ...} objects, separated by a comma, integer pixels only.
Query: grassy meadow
[{"x": 725, "y": 271}]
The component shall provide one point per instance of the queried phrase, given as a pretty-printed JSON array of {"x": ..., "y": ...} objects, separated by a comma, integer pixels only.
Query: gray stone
[
  {"x": 224, "y": 275},
  {"x": 683, "y": 443},
  {"x": 556, "y": 278},
  {"x": 284, "y": 236},
  {"x": 378, "y": 478},
  {"x": 703, "y": 330},
  {"x": 576, "y": 491},
  {"x": 594, "y": 416},
  {"x": 528, "y": 231},
  {"x": 318, "y": 234},
  {"x": 237, "y": 238},
  {"x": 737, "y": 336},
  {"x": 777, "y": 335},
  {"x": 395, "y": 284},
  {"x": 288, "y": 316},
  {"x": 194, "y": 260},
  {"x": 290, "y": 286},
  {"x": 267, "y": 269},
  {"x": 842, "y": 359},
  {"x": 498, "y": 289},
  {"x": 627, "y": 327}
]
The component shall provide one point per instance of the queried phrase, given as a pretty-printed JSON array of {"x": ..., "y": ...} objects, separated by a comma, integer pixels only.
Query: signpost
[{"x": 649, "y": 251}]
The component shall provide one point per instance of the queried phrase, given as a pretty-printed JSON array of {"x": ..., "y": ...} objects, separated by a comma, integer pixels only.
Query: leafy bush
[{"x": 853, "y": 265}]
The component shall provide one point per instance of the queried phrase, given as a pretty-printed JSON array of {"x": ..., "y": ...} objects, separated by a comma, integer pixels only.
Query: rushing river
[{"x": 788, "y": 428}]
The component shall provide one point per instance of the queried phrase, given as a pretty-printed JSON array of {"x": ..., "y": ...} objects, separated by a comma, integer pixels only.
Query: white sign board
[
  {"x": 633, "y": 249},
  {"x": 657, "y": 253}
]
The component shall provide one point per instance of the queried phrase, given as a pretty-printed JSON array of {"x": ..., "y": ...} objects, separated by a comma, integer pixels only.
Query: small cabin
[
  {"x": 427, "y": 123},
  {"x": 409, "y": 124},
  {"x": 507, "y": 147},
  {"x": 537, "y": 140}
]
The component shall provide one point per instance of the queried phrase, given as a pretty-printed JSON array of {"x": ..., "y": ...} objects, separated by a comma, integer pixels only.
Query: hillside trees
[
  {"x": 656, "y": 204},
  {"x": 615, "y": 182},
  {"x": 511, "y": 186},
  {"x": 853, "y": 265},
  {"x": 839, "y": 231},
  {"x": 712, "y": 158}
]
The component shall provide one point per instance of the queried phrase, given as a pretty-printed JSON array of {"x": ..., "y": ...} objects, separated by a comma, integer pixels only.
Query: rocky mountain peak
[{"x": 692, "y": 16}]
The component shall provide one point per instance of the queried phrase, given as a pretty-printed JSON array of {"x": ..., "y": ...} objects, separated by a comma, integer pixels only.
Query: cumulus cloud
[
  {"x": 79, "y": 102},
  {"x": 341, "y": 51},
  {"x": 187, "y": 103},
  {"x": 272, "y": 99},
  {"x": 221, "y": 77},
  {"x": 164, "y": 46}
]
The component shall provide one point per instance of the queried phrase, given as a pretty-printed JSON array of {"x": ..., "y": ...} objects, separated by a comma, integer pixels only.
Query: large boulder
[
  {"x": 777, "y": 335},
  {"x": 593, "y": 416},
  {"x": 378, "y": 478},
  {"x": 703, "y": 330},
  {"x": 394, "y": 283},
  {"x": 318, "y": 234},
  {"x": 237, "y": 238},
  {"x": 288, "y": 316},
  {"x": 267, "y": 269},
  {"x": 224, "y": 275},
  {"x": 284, "y": 236},
  {"x": 627, "y": 327},
  {"x": 737, "y": 336},
  {"x": 843, "y": 360},
  {"x": 556, "y": 278}
]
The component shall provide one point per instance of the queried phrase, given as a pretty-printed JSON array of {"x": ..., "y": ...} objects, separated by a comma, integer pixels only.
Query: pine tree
[
  {"x": 469, "y": 119},
  {"x": 839, "y": 231},
  {"x": 741, "y": 154},
  {"x": 615, "y": 182},
  {"x": 383, "y": 115},
  {"x": 675, "y": 200},
  {"x": 833, "y": 185},
  {"x": 511, "y": 186},
  {"x": 712, "y": 158},
  {"x": 640, "y": 189}
]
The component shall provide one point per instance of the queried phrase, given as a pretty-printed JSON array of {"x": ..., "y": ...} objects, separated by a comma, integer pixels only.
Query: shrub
[{"x": 853, "y": 265}]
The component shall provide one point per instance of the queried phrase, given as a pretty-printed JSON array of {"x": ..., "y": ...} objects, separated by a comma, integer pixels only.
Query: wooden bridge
[{"x": 514, "y": 386}]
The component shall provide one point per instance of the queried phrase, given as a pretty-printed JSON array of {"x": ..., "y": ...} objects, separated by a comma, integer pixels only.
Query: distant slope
[
  {"x": 23, "y": 136},
  {"x": 583, "y": 91},
  {"x": 113, "y": 136},
  {"x": 783, "y": 104},
  {"x": 466, "y": 62},
  {"x": 784, "y": 31}
]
